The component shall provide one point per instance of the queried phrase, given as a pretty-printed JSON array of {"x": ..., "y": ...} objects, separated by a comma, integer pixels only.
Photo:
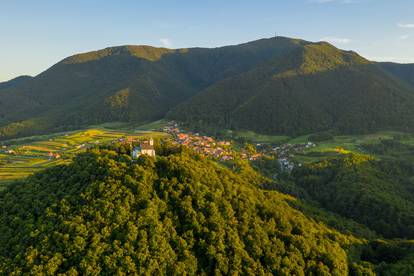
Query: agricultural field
[
  {"x": 347, "y": 144},
  {"x": 335, "y": 145},
  {"x": 21, "y": 157}
]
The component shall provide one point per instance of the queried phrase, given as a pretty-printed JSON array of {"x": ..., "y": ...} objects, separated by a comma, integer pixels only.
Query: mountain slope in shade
[
  {"x": 404, "y": 72},
  {"x": 14, "y": 82},
  {"x": 315, "y": 87}
]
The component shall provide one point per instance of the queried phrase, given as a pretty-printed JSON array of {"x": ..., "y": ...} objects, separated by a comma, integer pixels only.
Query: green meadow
[
  {"x": 258, "y": 138},
  {"x": 346, "y": 144},
  {"x": 334, "y": 146},
  {"x": 21, "y": 157}
]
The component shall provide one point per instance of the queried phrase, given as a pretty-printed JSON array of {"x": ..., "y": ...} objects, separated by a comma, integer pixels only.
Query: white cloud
[
  {"x": 406, "y": 25},
  {"x": 337, "y": 40},
  {"x": 166, "y": 42}
]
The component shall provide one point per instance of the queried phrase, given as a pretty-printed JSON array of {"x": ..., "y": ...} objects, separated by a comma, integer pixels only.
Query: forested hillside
[
  {"x": 177, "y": 214},
  {"x": 379, "y": 194},
  {"x": 314, "y": 88},
  {"x": 402, "y": 71},
  {"x": 14, "y": 82},
  {"x": 127, "y": 83},
  {"x": 276, "y": 86}
]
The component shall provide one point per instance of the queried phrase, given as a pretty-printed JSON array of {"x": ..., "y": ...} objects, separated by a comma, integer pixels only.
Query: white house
[{"x": 145, "y": 147}]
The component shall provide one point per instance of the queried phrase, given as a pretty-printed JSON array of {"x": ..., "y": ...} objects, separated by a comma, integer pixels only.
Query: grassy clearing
[
  {"x": 154, "y": 126},
  {"x": 348, "y": 143},
  {"x": 259, "y": 138},
  {"x": 128, "y": 127}
]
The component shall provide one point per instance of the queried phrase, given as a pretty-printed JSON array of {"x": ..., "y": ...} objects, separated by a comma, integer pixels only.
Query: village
[
  {"x": 61, "y": 149},
  {"x": 205, "y": 145},
  {"x": 224, "y": 150}
]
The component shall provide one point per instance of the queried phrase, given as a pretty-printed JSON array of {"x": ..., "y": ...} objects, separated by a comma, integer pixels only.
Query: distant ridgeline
[
  {"x": 178, "y": 213},
  {"x": 275, "y": 86}
]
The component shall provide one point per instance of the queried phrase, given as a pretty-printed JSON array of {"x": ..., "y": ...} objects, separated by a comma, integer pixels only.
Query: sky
[{"x": 34, "y": 35}]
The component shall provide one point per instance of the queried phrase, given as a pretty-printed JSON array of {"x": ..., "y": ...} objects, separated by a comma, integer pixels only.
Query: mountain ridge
[
  {"x": 144, "y": 83},
  {"x": 318, "y": 87}
]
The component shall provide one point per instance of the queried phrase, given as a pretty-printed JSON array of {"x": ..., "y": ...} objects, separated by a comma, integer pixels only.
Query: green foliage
[
  {"x": 378, "y": 194},
  {"x": 177, "y": 214},
  {"x": 268, "y": 166},
  {"x": 269, "y": 86},
  {"x": 390, "y": 147},
  {"x": 129, "y": 83},
  {"x": 404, "y": 72},
  {"x": 250, "y": 148},
  {"x": 144, "y": 52},
  {"x": 321, "y": 136},
  {"x": 313, "y": 88}
]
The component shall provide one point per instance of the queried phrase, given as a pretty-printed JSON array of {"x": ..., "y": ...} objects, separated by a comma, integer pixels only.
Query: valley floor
[{"x": 24, "y": 156}]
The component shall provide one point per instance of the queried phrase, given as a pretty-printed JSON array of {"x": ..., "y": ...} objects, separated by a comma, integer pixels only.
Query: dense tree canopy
[
  {"x": 379, "y": 194},
  {"x": 181, "y": 214},
  {"x": 312, "y": 89},
  {"x": 274, "y": 85},
  {"x": 177, "y": 214}
]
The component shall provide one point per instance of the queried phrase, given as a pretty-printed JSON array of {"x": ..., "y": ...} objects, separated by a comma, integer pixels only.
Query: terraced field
[{"x": 22, "y": 157}]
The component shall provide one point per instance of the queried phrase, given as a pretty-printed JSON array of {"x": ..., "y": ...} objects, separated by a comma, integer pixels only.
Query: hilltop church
[{"x": 145, "y": 147}]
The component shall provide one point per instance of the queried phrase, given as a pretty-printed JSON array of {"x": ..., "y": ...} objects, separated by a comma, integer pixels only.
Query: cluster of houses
[
  {"x": 207, "y": 146},
  {"x": 289, "y": 150},
  {"x": 221, "y": 150},
  {"x": 49, "y": 155},
  {"x": 286, "y": 152},
  {"x": 6, "y": 150},
  {"x": 252, "y": 157},
  {"x": 52, "y": 155},
  {"x": 202, "y": 144}
]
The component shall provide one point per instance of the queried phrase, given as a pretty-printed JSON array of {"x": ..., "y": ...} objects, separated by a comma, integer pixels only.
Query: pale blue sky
[{"x": 36, "y": 34}]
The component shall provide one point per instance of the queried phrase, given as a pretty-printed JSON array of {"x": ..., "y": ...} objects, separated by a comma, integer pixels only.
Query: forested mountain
[
  {"x": 313, "y": 88},
  {"x": 177, "y": 214},
  {"x": 402, "y": 71},
  {"x": 275, "y": 85},
  {"x": 127, "y": 83},
  {"x": 14, "y": 82}
]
